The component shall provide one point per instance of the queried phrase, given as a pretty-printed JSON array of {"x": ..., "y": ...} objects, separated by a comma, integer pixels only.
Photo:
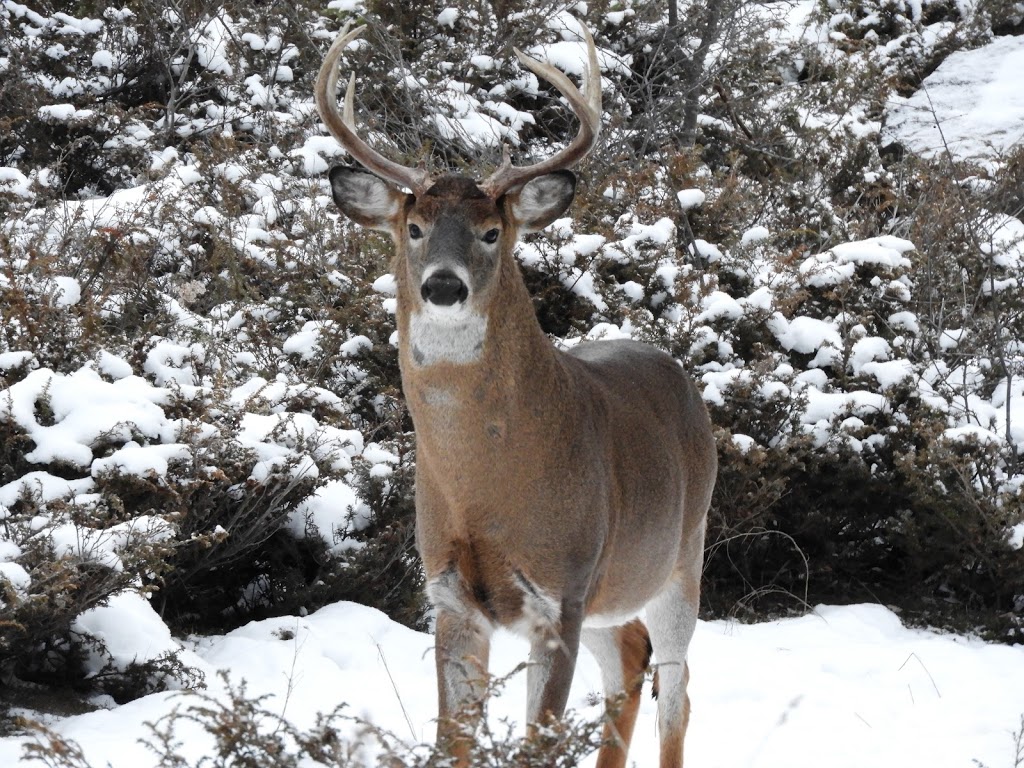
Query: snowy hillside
[{"x": 201, "y": 421}]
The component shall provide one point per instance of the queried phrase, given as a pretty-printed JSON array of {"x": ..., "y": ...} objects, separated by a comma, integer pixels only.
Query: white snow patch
[
  {"x": 743, "y": 442},
  {"x": 448, "y": 17},
  {"x": 804, "y": 334},
  {"x": 972, "y": 433},
  {"x": 571, "y": 57},
  {"x": 719, "y": 305},
  {"x": 885, "y": 250},
  {"x": 331, "y": 511},
  {"x": 130, "y": 631},
  {"x": 868, "y": 350},
  {"x": 691, "y": 198},
  {"x": 66, "y": 415},
  {"x": 973, "y": 103},
  {"x": 68, "y": 291},
  {"x": 14, "y": 182},
  {"x": 755, "y": 235},
  {"x": 141, "y": 460},
  {"x": 890, "y": 373}
]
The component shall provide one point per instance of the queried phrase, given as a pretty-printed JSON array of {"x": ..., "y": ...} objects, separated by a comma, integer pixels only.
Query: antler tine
[
  {"x": 586, "y": 106},
  {"x": 342, "y": 124}
]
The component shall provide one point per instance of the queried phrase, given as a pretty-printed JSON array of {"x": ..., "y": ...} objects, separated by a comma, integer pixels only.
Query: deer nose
[{"x": 444, "y": 288}]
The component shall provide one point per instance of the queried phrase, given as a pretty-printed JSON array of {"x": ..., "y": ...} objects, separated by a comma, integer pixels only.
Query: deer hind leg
[
  {"x": 672, "y": 619},
  {"x": 624, "y": 654}
]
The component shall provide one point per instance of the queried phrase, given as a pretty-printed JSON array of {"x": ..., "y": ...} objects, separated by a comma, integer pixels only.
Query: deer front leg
[
  {"x": 553, "y": 650},
  {"x": 462, "y": 647}
]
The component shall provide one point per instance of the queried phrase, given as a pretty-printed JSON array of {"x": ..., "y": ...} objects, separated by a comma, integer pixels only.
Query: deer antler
[
  {"x": 586, "y": 106},
  {"x": 342, "y": 124}
]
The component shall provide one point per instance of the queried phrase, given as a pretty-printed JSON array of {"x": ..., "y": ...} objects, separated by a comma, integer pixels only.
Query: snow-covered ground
[
  {"x": 972, "y": 105},
  {"x": 842, "y": 686}
]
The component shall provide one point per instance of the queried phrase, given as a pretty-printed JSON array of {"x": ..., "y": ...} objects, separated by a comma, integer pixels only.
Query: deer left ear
[{"x": 542, "y": 200}]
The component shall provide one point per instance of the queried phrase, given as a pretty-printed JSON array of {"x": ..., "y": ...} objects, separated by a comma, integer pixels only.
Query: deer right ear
[{"x": 366, "y": 199}]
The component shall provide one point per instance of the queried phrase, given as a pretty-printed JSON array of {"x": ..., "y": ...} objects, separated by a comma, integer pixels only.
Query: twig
[
  {"x": 408, "y": 721},
  {"x": 915, "y": 656}
]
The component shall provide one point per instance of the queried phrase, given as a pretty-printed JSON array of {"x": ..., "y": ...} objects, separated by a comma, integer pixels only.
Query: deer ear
[
  {"x": 542, "y": 200},
  {"x": 366, "y": 199}
]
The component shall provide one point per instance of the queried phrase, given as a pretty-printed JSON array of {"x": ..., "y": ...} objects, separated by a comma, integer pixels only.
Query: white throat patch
[{"x": 435, "y": 338}]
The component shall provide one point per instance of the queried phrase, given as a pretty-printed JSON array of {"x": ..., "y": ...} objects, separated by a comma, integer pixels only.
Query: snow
[
  {"x": 804, "y": 334},
  {"x": 822, "y": 271},
  {"x": 690, "y": 198},
  {"x": 15, "y": 574},
  {"x": 1004, "y": 240},
  {"x": 885, "y": 251},
  {"x": 13, "y": 181},
  {"x": 743, "y": 442},
  {"x": 826, "y": 406},
  {"x": 971, "y": 433},
  {"x": 755, "y": 235},
  {"x": 868, "y": 350},
  {"x": 906, "y": 321},
  {"x": 57, "y": 113},
  {"x": 212, "y": 47},
  {"x": 44, "y": 486},
  {"x": 69, "y": 291},
  {"x": 386, "y": 284},
  {"x": 973, "y": 104},
  {"x": 332, "y": 509},
  {"x": 128, "y": 628},
  {"x": 719, "y": 305},
  {"x": 571, "y": 57},
  {"x": 120, "y": 407},
  {"x": 141, "y": 460},
  {"x": 890, "y": 373},
  {"x": 850, "y": 676},
  {"x": 448, "y": 17}
]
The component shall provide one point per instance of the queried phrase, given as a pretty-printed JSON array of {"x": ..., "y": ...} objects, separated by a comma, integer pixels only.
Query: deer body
[
  {"x": 558, "y": 494},
  {"x": 509, "y": 465}
]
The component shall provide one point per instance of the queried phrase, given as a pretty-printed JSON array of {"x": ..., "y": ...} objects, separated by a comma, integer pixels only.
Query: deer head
[{"x": 452, "y": 233}]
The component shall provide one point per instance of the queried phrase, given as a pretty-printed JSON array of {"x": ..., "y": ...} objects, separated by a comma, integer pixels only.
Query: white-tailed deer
[{"x": 559, "y": 494}]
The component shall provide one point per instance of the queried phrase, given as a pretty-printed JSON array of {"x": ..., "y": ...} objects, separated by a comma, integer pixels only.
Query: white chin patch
[{"x": 446, "y": 336}]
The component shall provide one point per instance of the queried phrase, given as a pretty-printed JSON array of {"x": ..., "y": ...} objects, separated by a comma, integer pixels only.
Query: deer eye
[
  {"x": 415, "y": 232},
  {"x": 491, "y": 236}
]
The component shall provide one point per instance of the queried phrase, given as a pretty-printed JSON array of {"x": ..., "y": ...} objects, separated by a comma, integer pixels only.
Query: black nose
[{"x": 444, "y": 288}]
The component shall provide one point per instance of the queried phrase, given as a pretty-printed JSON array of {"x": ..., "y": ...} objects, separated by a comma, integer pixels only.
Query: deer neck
[{"x": 504, "y": 369}]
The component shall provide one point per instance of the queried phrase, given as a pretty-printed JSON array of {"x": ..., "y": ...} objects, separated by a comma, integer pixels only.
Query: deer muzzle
[{"x": 444, "y": 288}]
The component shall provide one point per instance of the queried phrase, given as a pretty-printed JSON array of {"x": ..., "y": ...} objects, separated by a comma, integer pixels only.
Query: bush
[{"x": 245, "y": 732}]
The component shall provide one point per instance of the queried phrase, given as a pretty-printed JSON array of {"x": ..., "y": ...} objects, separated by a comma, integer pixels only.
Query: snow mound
[{"x": 973, "y": 104}]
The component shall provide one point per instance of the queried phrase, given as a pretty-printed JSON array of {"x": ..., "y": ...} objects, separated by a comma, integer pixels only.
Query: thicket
[
  {"x": 232, "y": 287},
  {"x": 245, "y": 732}
]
